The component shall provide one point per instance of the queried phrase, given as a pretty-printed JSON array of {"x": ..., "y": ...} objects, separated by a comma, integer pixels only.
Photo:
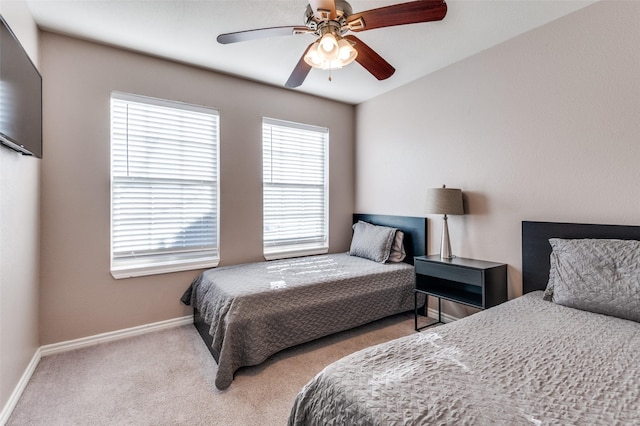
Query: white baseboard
[
  {"x": 433, "y": 313},
  {"x": 22, "y": 384},
  {"x": 84, "y": 342}
]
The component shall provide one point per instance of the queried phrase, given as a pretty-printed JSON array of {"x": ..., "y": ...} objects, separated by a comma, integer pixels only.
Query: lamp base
[{"x": 445, "y": 244}]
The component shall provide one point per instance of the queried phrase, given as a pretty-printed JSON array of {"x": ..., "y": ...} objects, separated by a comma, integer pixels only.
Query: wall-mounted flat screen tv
[{"x": 20, "y": 96}]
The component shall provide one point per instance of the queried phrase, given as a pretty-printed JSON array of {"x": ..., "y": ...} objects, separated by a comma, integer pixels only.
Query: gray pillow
[
  {"x": 596, "y": 275},
  {"x": 372, "y": 241},
  {"x": 397, "y": 253}
]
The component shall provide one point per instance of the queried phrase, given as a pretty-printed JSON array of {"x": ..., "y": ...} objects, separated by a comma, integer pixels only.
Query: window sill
[
  {"x": 286, "y": 254},
  {"x": 120, "y": 272}
]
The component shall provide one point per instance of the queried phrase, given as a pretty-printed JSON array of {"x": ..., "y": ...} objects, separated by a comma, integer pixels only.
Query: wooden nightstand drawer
[{"x": 449, "y": 272}]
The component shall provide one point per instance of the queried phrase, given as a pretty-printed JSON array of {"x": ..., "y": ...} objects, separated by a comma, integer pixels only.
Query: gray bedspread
[
  {"x": 257, "y": 309},
  {"x": 525, "y": 362}
]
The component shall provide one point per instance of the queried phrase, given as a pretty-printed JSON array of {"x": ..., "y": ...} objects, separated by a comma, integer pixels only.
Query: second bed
[
  {"x": 246, "y": 313},
  {"x": 572, "y": 359}
]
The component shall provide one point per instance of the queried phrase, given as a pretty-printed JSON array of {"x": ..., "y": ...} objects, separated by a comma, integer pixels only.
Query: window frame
[
  {"x": 149, "y": 264},
  {"x": 282, "y": 251}
]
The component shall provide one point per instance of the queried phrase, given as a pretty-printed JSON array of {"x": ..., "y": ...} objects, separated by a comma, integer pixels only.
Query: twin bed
[
  {"x": 246, "y": 313},
  {"x": 564, "y": 353}
]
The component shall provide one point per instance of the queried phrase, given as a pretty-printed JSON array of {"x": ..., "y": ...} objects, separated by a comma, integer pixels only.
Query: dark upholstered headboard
[
  {"x": 536, "y": 248},
  {"x": 414, "y": 228}
]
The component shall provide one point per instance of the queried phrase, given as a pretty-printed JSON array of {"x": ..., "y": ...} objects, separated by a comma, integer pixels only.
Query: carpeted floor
[{"x": 166, "y": 378}]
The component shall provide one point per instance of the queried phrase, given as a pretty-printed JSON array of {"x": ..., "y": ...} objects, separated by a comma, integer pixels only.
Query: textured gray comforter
[
  {"x": 525, "y": 362},
  {"x": 258, "y": 309}
]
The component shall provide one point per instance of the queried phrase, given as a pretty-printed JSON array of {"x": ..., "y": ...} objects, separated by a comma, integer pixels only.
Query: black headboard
[
  {"x": 414, "y": 228},
  {"x": 536, "y": 248}
]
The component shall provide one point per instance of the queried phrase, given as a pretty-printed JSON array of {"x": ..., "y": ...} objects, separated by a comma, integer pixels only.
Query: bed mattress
[
  {"x": 525, "y": 362},
  {"x": 255, "y": 310}
]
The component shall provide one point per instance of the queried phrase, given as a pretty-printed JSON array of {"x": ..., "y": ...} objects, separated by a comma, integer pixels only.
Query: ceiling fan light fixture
[
  {"x": 329, "y": 44},
  {"x": 330, "y": 53},
  {"x": 347, "y": 52},
  {"x": 312, "y": 57}
]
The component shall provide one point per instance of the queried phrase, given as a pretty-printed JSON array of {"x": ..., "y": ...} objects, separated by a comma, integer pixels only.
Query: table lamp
[{"x": 444, "y": 201}]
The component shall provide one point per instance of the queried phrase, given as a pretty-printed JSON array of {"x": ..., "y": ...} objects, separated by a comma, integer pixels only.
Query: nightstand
[{"x": 475, "y": 283}]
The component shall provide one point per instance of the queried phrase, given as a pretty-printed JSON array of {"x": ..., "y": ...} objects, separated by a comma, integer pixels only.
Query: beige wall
[
  {"x": 543, "y": 127},
  {"x": 78, "y": 295},
  {"x": 19, "y": 236}
]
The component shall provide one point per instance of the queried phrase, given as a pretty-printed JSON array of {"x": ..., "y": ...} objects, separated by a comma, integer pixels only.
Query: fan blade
[
  {"x": 324, "y": 9},
  {"x": 260, "y": 33},
  {"x": 299, "y": 72},
  {"x": 398, "y": 14},
  {"x": 370, "y": 60}
]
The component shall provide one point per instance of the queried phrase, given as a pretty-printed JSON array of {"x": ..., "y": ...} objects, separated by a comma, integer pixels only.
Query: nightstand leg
[
  {"x": 415, "y": 310},
  {"x": 426, "y": 305},
  {"x": 439, "y": 310},
  {"x": 426, "y": 311}
]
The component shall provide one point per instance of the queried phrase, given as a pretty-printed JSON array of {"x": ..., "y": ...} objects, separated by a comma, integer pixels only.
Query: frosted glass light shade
[
  {"x": 347, "y": 52},
  {"x": 329, "y": 45}
]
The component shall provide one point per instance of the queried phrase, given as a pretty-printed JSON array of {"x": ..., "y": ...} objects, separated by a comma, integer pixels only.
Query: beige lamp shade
[{"x": 444, "y": 201}]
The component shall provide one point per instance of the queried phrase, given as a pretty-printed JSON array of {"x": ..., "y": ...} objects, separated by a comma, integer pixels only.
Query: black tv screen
[{"x": 20, "y": 96}]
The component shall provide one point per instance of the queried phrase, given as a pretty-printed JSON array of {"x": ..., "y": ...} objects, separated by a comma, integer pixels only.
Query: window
[
  {"x": 164, "y": 186},
  {"x": 295, "y": 188}
]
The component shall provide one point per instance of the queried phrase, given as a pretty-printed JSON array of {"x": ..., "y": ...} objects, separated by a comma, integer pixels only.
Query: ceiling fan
[{"x": 330, "y": 21}]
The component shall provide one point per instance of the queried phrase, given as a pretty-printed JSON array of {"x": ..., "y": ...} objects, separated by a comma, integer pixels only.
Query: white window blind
[
  {"x": 295, "y": 188},
  {"x": 164, "y": 186}
]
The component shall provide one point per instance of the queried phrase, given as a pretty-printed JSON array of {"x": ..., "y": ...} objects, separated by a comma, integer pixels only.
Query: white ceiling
[{"x": 186, "y": 31}]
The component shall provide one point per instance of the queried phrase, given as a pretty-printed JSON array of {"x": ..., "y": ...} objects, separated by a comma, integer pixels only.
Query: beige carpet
[{"x": 166, "y": 378}]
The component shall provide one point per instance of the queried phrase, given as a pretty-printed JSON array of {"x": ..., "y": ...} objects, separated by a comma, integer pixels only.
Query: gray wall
[
  {"x": 78, "y": 295},
  {"x": 542, "y": 127},
  {"x": 19, "y": 236}
]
